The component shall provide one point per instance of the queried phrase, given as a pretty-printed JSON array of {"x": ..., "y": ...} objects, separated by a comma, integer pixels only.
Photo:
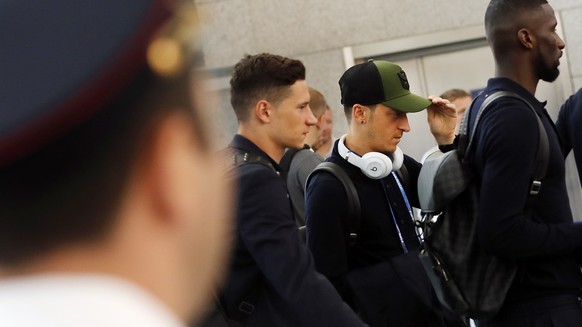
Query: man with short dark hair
[
  {"x": 113, "y": 211},
  {"x": 543, "y": 239},
  {"x": 272, "y": 281}
]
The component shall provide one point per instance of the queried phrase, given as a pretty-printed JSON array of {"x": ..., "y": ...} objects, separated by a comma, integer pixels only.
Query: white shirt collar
[{"x": 80, "y": 300}]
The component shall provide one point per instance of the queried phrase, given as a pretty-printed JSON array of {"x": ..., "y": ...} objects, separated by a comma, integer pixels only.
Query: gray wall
[{"x": 317, "y": 31}]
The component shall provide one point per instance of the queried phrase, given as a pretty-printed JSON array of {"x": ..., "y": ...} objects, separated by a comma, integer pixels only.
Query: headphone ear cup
[
  {"x": 397, "y": 159},
  {"x": 376, "y": 165}
]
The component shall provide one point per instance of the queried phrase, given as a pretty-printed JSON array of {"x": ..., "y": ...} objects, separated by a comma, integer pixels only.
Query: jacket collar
[
  {"x": 503, "y": 83},
  {"x": 242, "y": 143}
]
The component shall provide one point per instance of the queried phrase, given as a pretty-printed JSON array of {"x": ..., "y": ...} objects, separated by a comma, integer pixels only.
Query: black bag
[
  {"x": 398, "y": 295},
  {"x": 393, "y": 293},
  {"x": 467, "y": 280}
]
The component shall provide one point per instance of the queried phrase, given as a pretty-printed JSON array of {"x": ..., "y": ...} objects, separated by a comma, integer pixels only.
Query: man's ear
[
  {"x": 263, "y": 111},
  {"x": 320, "y": 120},
  {"x": 167, "y": 165},
  {"x": 527, "y": 38},
  {"x": 359, "y": 113}
]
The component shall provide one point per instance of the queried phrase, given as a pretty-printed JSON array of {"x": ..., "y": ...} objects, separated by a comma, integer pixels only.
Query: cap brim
[{"x": 408, "y": 103}]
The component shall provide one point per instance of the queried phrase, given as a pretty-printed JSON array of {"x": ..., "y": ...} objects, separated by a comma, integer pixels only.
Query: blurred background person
[
  {"x": 461, "y": 99},
  {"x": 325, "y": 145},
  {"x": 301, "y": 162}
]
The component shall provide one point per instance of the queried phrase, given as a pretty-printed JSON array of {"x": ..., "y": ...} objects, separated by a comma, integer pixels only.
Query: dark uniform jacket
[
  {"x": 543, "y": 244},
  {"x": 395, "y": 284},
  {"x": 270, "y": 263},
  {"x": 569, "y": 127}
]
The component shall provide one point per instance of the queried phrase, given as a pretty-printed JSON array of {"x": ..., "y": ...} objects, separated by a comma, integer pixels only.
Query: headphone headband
[{"x": 374, "y": 165}]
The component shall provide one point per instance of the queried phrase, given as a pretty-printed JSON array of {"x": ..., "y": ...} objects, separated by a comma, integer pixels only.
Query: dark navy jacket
[
  {"x": 506, "y": 145},
  {"x": 270, "y": 257},
  {"x": 569, "y": 127},
  {"x": 326, "y": 205},
  {"x": 399, "y": 290}
]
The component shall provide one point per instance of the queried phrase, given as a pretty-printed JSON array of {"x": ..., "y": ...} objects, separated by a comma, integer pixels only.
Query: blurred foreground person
[{"x": 112, "y": 209}]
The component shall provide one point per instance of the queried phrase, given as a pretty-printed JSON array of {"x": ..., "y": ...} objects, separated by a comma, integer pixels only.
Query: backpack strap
[
  {"x": 404, "y": 177},
  {"x": 543, "y": 150},
  {"x": 241, "y": 158},
  {"x": 246, "y": 306},
  {"x": 354, "y": 208}
]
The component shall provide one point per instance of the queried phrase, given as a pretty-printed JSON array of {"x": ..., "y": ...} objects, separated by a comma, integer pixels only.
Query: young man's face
[
  {"x": 292, "y": 117},
  {"x": 386, "y": 127}
]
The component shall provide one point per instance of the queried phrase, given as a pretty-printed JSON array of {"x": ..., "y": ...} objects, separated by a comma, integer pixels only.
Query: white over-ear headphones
[{"x": 374, "y": 165}]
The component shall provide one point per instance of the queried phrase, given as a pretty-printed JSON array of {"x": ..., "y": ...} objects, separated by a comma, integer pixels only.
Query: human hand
[{"x": 442, "y": 120}]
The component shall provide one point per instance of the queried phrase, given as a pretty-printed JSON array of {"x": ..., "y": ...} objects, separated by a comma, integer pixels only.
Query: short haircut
[
  {"x": 69, "y": 191},
  {"x": 317, "y": 102},
  {"x": 454, "y": 94},
  {"x": 262, "y": 76},
  {"x": 348, "y": 111},
  {"x": 503, "y": 18},
  {"x": 501, "y": 12}
]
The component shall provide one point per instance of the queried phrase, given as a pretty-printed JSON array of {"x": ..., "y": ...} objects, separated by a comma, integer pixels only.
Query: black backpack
[
  {"x": 467, "y": 280},
  {"x": 354, "y": 208}
]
